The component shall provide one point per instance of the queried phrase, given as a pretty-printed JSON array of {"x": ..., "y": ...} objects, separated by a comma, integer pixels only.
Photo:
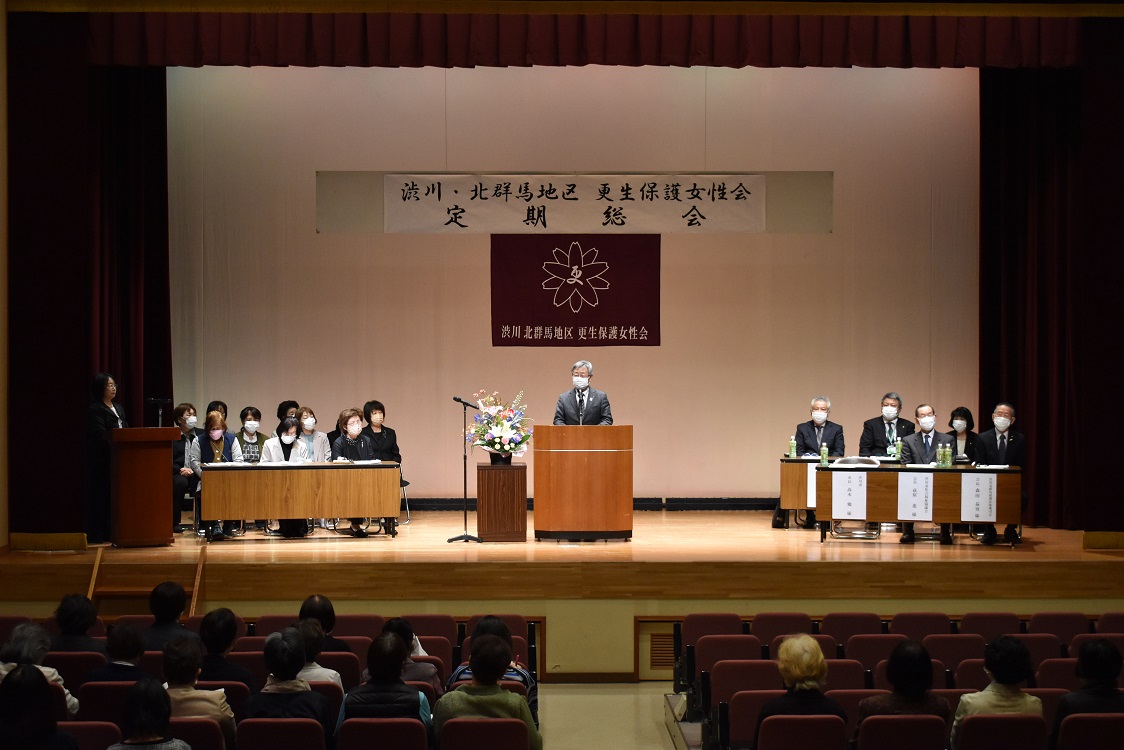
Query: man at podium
[{"x": 582, "y": 404}]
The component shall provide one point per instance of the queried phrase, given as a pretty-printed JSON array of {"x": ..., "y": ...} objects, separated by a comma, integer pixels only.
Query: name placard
[
  {"x": 848, "y": 495},
  {"x": 977, "y": 497},
  {"x": 915, "y": 496}
]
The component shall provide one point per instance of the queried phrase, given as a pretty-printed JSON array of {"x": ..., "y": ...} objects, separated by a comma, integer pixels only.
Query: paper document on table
[
  {"x": 977, "y": 497},
  {"x": 848, "y": 495},
  {"x": 227, "y": 465},
  {"x": 812, "y": 485},
  {"x": 368, "y": 463},
  {"x": 915, "y": 496}
]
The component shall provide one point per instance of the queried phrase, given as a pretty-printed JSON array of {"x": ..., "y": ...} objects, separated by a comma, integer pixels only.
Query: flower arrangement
[{"x": 500, "y": 427}]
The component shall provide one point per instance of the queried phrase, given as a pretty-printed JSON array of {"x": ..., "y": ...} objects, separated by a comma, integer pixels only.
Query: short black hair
[
  {"x": 312, "y": 636},
  {"x": 182, "y": 659},
  {"x": 26, "y": 707},
  {"x": 1099, "y": 660},
  {"x": 319, "y": 607},
  {"x": 910, "y": 669},
  {"x": 1008, "y": 660},
  {"x": 385, "y": 657},
  {"x": 283, "y": 408},
  {"x": 492, "y": 625},
  {"x": 75, "y": 614},
  {"x": 284, "y": 654},
  {"x": 402, "y": 628},
  {"x": 371, "y": 406},
  {"x": 249, "y": 411},
  {"x": 147, "y": 711},
  {"x": 97, "y": 388},
  {"x": 167, "y": 602},
  {"x": 491, "y": 656},
  {"x": 219, "y": 406},
  {"x": 218, "y": 630},
  {"x": 125, "y": 642},
  {"x": 963, "y": 412}
]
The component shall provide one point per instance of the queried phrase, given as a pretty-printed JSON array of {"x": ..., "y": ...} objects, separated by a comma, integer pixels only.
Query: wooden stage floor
[{"x": 674, "y": 555}]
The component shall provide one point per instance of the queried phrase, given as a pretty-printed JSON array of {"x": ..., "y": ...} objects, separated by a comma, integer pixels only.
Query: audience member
[
  {"x": 183, "y": 658},
  {"x": 147, "y": 718},
  {"x": 414, "y": 671},
  {"x": 385, "y": 694},
  {"x": 353, "y": 445},
  {"x": 910, "y": 671},
  {"x": 491, "y": 658},
  {"x": 320, "y": 608},
  {"x": 284, "y": 696},
  {"x": 250, "y": 439},
  {"x": 28, "y": 644},
  {"x": 492, "y": 625},
  {"x": 218, "y": 631},
  {"x": 312, "y": 635},
  {"x": 315, "y": 441},
  {"x": 75, "y": 616},
  {"x": 166, "y": 602},
  {"x": 1098, "y": 666},
  {"x": 285, "y": 409},
  {"x": 27, "y": 715},
  {"x": 804, "y": 672},
  {"x": 1007, "y": 660},
  {"x": 125, "y": 647}
]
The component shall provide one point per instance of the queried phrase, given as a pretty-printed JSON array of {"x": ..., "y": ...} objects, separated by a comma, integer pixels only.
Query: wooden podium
[
  {"x": 583, "y": 482},
  {"x": 141, "y": 486},
  {"x": 501, "y": 502}
]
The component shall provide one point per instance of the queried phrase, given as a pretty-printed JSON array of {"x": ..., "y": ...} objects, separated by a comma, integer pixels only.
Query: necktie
[
  {"x": 581, "y": 405},
  {"x": 928, "y": 446},
  {"x": 819, "y": 436},
  {"x": 1003, "y": 448}
]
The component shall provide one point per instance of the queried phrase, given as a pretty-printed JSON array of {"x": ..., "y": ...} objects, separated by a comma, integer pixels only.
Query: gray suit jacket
[
  {"x": 913, "y": 446},
  {"x": 596, "y": 408}
]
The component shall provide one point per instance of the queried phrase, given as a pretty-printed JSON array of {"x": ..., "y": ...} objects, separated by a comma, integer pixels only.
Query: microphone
[
  {"x": 158, "y": 400},
  {"x": 460, "y": 400}
]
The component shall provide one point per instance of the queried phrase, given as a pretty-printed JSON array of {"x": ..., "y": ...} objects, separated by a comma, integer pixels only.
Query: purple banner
[{"x": 575, "y": 290}]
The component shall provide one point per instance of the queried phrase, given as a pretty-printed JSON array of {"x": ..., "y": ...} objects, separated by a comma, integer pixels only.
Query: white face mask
[
  {"x": 191, "y": 422},
  {"x": 250, "y": 427},
  {"x": 889, "y": 413},
  {"x": 353, "y": 430},
  {"x": 376, "y": 418},
  {"x": 581, "y": 383},
  {"x": 927, "y": 423},
  {"x": 309, "y": 423},
  {"x": 1001, "y": 423},
  {"x": 960, "y": 425},
  {"x": 819, "y": 417},
  {"x": 288, "y": 439}
]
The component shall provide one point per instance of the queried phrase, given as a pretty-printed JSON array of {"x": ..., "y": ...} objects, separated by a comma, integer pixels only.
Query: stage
[{"x": 677, "y": 562}]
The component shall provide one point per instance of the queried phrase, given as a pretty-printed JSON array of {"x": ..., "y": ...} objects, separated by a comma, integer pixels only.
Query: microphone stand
[{"x": 465, "y": 537}]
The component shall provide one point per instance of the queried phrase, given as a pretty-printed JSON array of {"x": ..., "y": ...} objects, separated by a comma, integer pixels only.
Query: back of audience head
[
  {"x": 183, "y": 658},
  {"x": 27, "y": 706},
  {"x": 147, "y": 711},
  {"x": 801, "y": 663},
  {"x": 312, "y": 637},
  {"x": 167, "y": 602},
  {"x": 492, "y": 625},
  {"x": 1007, "y": 660},
  {"x": 219, "y": 630},
  {"x": 1098, "y": 660},
  {"x": 402, "y": 628},
  {"x": 28, "y": 644},
  {"x": 125, "y": 643},
  {"x": 385, "y": 657},
  {"x": 218, "y": 406},
  {"x": 285, "y": 407},
  {"x": 910, "y": 669},
  {"x": 319, "y": 607},
  {"x": 490, "y": 658},
  {"x": 284, "y": 654},
  {"x": 75, "y": 615}
]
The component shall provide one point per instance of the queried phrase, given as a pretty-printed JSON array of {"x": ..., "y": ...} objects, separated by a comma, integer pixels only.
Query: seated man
[
  {"x": 320, "y": 607},
  {"x": 1007, "y": 660},
  {"x": 1098, "y": 666},
  {"x": 1001, "y": 446},
  {"x": 313, "y": 638},
  {"x": 491, "y": 656},
  {"x": 881, "y": 433},
  {"x": 385, "y": 694},
  {"x": 218, "y": 632},
  {"x": 125, "y": 646},
  {"x": 182, "y": 660},
  {"x": 75, "y": 616},
  {"x": 284, "y": 696},
  {"x": 921, "y": 448},
  {"x": 167, "y": 602},
  {"x": 810, "y": 436},
  {"x": 492, "y": 625}
]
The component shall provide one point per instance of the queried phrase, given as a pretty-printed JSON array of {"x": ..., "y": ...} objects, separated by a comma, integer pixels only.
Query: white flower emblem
[{"x": 575, "y": 276}]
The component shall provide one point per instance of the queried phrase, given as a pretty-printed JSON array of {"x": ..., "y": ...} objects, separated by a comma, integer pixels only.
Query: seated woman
[
  {"x": 383, "y": 693},
  {"x": 75, "y": 616},
  {"x": 183, "y": 478},
  {"x": 962, "y": 424},
  {"x": 284, "y": 695},
  {"x": 383, "y": 438},
  {"x": 284, "y": 447},
  {"x": 217, "y": 446},
  {"x": 315, "y": 442},
  {"x": 250, "y": 439},
  {"x": 910, "y": 671},
  {"x": 804, "y": 672},
  {"x": 353, "y": 445},
  {"x": 148, "y": 718},
  {"x": 27, "y": 712},
  {"x": 28, "y": 645},
  {"x": 1007, "y": 660}
]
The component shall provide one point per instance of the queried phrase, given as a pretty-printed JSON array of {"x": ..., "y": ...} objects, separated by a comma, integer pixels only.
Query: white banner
[
  {"x": 977, "y": 497},
  {"x": 848, "y": 495},
  {"x": 573, "y": 204},
  {"x": 915, "y": 496},
  {"x": 812, "y": 483}
]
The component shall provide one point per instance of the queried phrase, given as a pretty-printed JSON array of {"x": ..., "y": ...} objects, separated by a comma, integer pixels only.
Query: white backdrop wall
[{"x": 265, "y": 308}]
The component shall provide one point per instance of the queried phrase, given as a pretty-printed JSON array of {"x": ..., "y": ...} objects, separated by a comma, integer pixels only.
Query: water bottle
[
  {"x": 898, "y": 449},
  {"x": 823, "y": 454},
  {"x": 792, "y": 446}
]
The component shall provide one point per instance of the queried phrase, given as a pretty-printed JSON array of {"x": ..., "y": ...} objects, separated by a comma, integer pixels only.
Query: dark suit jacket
[
  {"x": 116, "y": 672},
  {"x": 832, "y": 435},
  {"x": 385, "y": 442},
  {"x": 217, "y": 669},
  {"x": 987, "y": 448},
  {"x": 913, "y": 447},
  {"x": 333, "y": 644},
  {"x": 156, "y": 637},
  {"x": 1093, "y": 698},
  {"x": 873, "y": 440},
  {"x": 596, "y": 408},
  {"x": 969, "y": 443}
]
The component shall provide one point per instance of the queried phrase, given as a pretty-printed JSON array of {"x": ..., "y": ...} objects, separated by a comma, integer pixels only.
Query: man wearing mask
[
  {"x": 921, "y": 448},
  {"x": 882, "y": 432},
  {"x": 582, "y": 404},
  {"x": 998, "y": 446},
  {"x": 810, "y": 436}
]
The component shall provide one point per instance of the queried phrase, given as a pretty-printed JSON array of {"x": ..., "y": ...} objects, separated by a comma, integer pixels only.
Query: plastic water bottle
[
  {"x": 792, "y": 446},
  {"x": 898, "y": 449},
  {"x": 823, "y": 454}
]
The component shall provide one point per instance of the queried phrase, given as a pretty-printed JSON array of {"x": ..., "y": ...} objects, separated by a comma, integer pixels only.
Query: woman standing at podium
[{"x": 104, "y": 415}]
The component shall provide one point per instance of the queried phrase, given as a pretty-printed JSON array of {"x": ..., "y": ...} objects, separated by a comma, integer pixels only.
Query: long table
[
  {"x": 312, "y": 490},
  {"x": 947, "y": 499}
]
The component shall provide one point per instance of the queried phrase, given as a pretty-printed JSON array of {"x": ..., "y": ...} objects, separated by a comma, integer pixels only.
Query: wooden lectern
[
  {"x": 141, "y": 486},
  {"x": 501, "y": 502},
  {"x": 583, "y": 482}
]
